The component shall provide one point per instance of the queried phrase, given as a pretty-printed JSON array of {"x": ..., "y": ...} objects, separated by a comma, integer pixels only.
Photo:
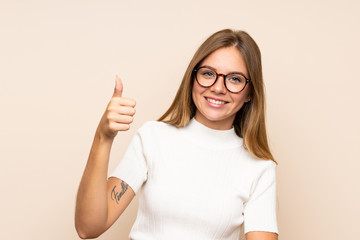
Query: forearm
[
  {"x": 91, "y": 213},
  {"x": 91, "y": 205}
]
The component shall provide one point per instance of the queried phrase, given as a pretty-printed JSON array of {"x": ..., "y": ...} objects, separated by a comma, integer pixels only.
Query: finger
[
  {"x": 122, "y": 119},
  {"x": 130, "y": 111},
  {"x": 118, "y": 87},
  {"x": 123, "y": 101},
  {"x": 121, "y": 110},
  {"x": 120, "y": 126}
]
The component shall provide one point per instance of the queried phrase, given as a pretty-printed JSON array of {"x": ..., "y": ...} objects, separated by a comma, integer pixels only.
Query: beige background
[{"x": 58, "y": 61}]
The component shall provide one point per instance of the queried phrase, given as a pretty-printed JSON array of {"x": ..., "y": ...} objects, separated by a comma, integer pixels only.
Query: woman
[{"x": 205, "y": 167}]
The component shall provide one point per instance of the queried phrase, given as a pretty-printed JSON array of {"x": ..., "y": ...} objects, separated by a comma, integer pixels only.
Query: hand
[{"x": 118, "y": 114}]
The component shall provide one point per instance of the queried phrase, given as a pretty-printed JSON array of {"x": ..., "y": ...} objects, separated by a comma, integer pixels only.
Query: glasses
[{"x": 234, "y": 82}]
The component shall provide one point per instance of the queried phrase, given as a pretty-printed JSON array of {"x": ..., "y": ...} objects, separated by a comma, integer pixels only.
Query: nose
[{"x": 219, "y": 85}]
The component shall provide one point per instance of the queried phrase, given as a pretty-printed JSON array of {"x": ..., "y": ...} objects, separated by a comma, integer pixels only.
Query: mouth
[{"x": 215, "y": 101}]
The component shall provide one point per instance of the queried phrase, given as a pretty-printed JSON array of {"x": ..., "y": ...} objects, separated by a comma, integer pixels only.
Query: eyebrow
[{"x": 212, "y": 68}]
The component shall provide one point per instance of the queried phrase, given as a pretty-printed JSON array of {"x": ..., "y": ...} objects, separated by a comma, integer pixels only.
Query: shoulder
[
  {"x": 261, "y": 173},
  {"x": 258, "y": 166},
  {"x": 156, "y": 128},
  {"x": 156, "y": 136},
  {"x": 155, "y": 125},
  {"x": 264, "y": 173},
  {"x": 266, "y": 167}
]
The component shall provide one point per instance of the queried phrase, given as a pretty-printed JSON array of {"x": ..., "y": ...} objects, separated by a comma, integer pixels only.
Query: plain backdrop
[{"x": 58, "y": 61}]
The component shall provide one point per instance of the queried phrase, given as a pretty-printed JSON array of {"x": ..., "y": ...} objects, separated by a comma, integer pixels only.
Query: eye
[
  {"x": 207, "y": 74},
  {"x": 235, "y": 78}
]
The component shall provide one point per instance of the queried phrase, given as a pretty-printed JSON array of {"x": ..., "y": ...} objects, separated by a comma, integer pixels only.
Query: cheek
[
  {"x": 239, "y": 100},
  {"x": 196, "y": 91}
]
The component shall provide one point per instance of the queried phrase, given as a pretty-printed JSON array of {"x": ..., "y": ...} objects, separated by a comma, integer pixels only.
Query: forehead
[{"x": 225, "y": 60}]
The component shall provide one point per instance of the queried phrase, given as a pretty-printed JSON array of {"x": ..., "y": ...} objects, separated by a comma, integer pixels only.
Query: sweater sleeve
[
  {"x": 260, "y": 209},
  {"x": 133, "y": 167}
]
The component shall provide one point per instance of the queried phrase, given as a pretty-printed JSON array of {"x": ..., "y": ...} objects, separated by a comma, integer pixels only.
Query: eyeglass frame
[{"x": 224, "y": 77}]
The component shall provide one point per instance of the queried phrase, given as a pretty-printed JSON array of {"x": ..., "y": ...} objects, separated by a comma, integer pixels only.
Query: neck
[
  {"x": 223, "y": 124},
  {"x": 202, "y": 135}
]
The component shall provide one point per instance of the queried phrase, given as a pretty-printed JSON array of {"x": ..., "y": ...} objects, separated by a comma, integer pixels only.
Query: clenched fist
[{"x": 118, "y": 114}]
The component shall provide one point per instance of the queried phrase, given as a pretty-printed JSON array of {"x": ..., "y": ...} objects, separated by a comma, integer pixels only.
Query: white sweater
[{"x": 197, "y": 183}]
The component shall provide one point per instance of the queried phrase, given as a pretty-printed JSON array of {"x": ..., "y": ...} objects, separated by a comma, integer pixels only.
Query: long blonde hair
[{"x": 249, "y": 122}]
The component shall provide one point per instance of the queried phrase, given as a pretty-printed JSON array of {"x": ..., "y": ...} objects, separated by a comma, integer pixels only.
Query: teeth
[{"x": 215, "y": 101}]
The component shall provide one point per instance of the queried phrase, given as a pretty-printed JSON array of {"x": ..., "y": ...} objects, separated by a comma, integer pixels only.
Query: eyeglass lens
[{"x": 233, "y": 82}]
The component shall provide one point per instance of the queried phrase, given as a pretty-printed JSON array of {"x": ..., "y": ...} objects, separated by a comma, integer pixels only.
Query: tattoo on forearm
[{"x": 116, "y": 195}]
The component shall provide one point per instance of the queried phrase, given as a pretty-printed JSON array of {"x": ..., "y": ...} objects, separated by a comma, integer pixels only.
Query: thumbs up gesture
[{"x": 118, "y": 114}]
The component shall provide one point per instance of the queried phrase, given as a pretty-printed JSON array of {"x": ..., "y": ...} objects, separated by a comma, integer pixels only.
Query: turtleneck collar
[{"x": 212, "y": 138}]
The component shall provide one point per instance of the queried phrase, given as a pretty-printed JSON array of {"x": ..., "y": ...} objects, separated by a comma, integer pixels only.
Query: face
[{"x": 216, "y": 107}]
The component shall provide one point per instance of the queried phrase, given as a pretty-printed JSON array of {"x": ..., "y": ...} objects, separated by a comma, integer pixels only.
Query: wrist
[{"x": 103, "y": 138}]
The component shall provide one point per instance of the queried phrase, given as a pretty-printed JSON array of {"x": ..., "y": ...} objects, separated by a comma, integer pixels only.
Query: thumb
[{"x": 118, "y": 87}]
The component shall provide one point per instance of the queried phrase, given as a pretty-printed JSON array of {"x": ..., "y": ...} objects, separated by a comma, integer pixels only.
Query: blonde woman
[{"x": 204, "y": 167}]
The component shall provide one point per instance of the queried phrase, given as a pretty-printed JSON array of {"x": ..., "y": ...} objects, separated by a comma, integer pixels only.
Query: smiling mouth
[{"x": 215, "y": 101}]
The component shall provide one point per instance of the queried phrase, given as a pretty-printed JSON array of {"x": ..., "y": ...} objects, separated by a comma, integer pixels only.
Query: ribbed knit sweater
[{"x": 197, "y": 183}]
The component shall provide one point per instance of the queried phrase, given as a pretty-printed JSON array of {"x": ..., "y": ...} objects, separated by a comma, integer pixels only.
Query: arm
[
  {"x": 260, "y": 221},
  {"x": 96, "y": 209},
  {"x": 119, "y": 196},
  {"x": 261, "y": 236}
]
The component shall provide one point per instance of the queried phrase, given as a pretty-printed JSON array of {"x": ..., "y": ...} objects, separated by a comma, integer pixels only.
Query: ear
[{"x": 247, "y": 100}]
